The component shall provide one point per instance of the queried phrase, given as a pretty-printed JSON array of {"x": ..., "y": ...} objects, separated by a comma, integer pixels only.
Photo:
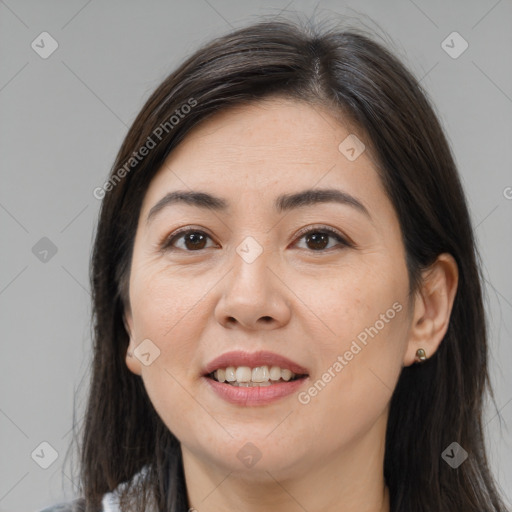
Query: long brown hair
[{"x": 434, "y": 404}]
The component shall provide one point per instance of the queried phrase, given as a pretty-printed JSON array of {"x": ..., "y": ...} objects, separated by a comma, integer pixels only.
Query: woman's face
[{"x": 250, "y": 279}]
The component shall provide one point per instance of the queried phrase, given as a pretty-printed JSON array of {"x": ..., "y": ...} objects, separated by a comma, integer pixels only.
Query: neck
[{"x": 348, "y": 480}]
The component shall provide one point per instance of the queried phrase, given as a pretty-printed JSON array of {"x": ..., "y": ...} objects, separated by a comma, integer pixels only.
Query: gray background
[{"x": 63, "y": 119}]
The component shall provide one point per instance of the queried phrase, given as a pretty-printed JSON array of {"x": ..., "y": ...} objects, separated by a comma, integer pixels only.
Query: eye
[
  {"x": 193, "y": 240},
  {"x": 318, "y": 238}
]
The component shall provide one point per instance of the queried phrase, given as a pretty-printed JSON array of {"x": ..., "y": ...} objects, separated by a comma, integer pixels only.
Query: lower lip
[{"x": 256, "y": 395}]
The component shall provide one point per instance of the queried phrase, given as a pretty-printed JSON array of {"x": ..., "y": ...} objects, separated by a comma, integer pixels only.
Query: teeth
[
  {"x": 260, "y": 374},
  {"x": 243, "y": 374},
  {"x": 286, "y": 374},
  {"x": 230, "y": 374},
  {"x": 275, "y": 373},
  {"x": 249, "y": 377},
  {"x": 251, "y": 384}
]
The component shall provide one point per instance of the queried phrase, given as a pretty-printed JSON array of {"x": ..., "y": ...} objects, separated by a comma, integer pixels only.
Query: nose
[{"x": 253, "y": 296}]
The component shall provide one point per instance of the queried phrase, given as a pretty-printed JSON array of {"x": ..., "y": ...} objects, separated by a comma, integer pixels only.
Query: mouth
[{"x": 250, "y": 379}]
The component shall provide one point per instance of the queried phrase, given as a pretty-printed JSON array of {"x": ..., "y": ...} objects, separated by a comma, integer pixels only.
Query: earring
[{"x": 420, "y": 356}]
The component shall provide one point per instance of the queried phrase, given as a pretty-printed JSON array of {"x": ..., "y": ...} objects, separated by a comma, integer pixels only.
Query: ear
[
  {"x": 133, "y": 363},
  {"x": 432, "y": 307}
]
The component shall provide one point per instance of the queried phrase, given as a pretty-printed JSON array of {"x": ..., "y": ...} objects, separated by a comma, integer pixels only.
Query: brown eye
[
  {"x": 193, "y": 240},
  {"x": 317, "y": 239}
]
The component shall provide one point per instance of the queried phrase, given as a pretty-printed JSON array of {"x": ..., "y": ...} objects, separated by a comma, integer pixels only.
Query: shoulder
[
  {"x": 110, "y": 503},
  {"x": 70, "y": 506}
]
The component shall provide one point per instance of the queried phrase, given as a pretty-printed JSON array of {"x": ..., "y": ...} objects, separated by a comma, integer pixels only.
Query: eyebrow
[{"x": 284, "y": 202}]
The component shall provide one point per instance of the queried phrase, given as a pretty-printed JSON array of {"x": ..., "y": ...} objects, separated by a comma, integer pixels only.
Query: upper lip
[{"x": 253, "y": 359}]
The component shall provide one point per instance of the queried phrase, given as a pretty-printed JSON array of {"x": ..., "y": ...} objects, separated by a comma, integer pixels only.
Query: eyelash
[{"x": 166, "y": 244}]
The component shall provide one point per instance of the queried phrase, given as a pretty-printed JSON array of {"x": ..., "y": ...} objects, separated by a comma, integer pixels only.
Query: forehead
[{"x": 273, "y": 146}]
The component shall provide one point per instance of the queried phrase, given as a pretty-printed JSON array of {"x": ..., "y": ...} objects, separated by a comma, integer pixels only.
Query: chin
[{"x": 253, "y": 457}]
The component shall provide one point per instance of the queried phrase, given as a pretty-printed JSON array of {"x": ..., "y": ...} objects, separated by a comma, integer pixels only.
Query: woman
[{"x": 287, "y": 304}]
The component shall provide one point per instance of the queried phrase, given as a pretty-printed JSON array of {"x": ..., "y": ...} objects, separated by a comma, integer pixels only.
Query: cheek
[
  {"x": 358, "y": 301},
  {"x": 168, "y": 311},
  {"x": 359, "y": 358},
  {"x": 163, "y": 301}
]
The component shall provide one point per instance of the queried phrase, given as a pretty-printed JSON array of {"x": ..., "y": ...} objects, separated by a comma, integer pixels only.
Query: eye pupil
[
  {"x": 196, "y": 239},
  {"x": 320, "y": 240}
]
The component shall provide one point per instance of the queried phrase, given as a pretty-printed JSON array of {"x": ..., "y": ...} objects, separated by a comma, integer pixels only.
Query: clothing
[{"x": 109, "y": 503}]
